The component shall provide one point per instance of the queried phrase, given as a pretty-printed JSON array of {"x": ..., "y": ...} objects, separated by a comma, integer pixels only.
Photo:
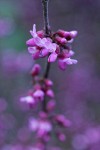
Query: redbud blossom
[
  {"x": 35, "y": 70},
  {"x": 42, "y": 127},
  {"x": 50, "y": 93},
  {"x": 39, "y": 95},
  {"x": 67, "y": 61},
  {"x": 61, "y": 120},
  {"x": 28, "y": 99},
  {"x": 54, "y": 47},
  {"x": 51, "y": 105}
]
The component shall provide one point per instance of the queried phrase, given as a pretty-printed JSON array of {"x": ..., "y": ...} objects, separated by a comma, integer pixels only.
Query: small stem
[
  {"x": 47, "y": 70},
  {"x": 45, "y": 16},
  {"x": 46, "y": 76}
]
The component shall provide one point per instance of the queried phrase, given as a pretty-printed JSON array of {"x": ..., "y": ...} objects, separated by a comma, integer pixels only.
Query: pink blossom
[
  {"x": 70, "y": 61},
  {"x": 48, "y": 82},
  {"x": 32, "y": 50},
  {"x": 67, "y": 61},
  {"x": 50, "y": 93},
  {"x": 56, "y": 46},
  {"x": 45, "y": 126},
  {"x": 35, "y": 70},
  {"x": 66, "y": 34},
  {"x": 33, "y": 124},
  {"x": 33, "y": 33},
  {"x": 51, "y": 105},
  {"x": 70, "y": 53},
  {"x": 27, "y": 99},
  {"x": 61, "y": 136},
  {"x": 44, "y": 52},
  {"x": 42, "y": 127},
  {"x": 52, "y": 57},
  {"x": 40, "y": 44},
  {"x": 39, "y": 94},
  {"x": 61, "y": 120},
  {"x": 61, "y": 40},
  {"x": 73, "y": 33},
  {"x": 30, "y": 42}
]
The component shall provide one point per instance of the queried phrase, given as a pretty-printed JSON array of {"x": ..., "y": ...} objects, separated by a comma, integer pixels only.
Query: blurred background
[{"x": 77, "y": 89}]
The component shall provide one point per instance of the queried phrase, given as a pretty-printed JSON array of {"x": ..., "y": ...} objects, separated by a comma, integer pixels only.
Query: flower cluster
[
  {"x": 41, "y": 88},
  {"x": 44, "y": 127},
  {"x": 47, "y": 122},
  {"x": 56, "y": 46}
]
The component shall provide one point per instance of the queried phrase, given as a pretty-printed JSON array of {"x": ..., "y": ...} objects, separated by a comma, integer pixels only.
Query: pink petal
[
  {"x": 70, "y": 61},
  {"x": 52, "y": 57},
  {"x": 30, "y": 42},
  {"x": 32, "y": 50},
  {"x": 33, "y": 33},
  {"x": 36, "y": 55},
  {"x": 44, "y": 52},
  {"x": 61, "y": 64}
]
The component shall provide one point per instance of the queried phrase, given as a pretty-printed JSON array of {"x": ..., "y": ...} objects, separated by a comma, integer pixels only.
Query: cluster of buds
[
  {"x": 56, "y": 47},
  {"x": 41, "y": 88}
]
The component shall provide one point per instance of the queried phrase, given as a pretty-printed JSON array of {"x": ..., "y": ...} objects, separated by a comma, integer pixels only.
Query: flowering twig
[{"x": 54, "y": 46}]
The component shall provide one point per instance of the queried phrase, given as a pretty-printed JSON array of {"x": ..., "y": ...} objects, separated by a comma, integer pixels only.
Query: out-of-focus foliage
[{"x": 77, "y": 89}]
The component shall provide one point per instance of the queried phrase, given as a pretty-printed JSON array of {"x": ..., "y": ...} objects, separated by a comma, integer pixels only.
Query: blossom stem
[
  {"x": 46, "y": 18},
  {"x": 47, "y": 34},
  {"x": 47, "y": 70}
]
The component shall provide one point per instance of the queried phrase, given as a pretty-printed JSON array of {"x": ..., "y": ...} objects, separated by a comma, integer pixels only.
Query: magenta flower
[
  {"x": 52, "y": 57},
  {"x": 55, "y": 47},
  {"x": 42, "y": 127},
  {"x": 28, "y": 99},
  {"x": 67, "y": 61},
  {"x": 40, "y": 46},
  {"x": 39, "y": 95},
  {"x": 35, "y": 70},
  {"x": 50, "y": 93}
]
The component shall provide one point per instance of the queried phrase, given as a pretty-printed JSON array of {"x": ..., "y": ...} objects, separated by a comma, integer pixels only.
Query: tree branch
[{"x": 47, "y": 34}]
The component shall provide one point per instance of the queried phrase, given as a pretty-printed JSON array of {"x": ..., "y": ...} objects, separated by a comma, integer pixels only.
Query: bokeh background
[{"x": 77, "y": 89}]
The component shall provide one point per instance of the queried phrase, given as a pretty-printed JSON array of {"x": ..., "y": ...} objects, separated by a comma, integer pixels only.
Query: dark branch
[{"x": 45, "y": 16}]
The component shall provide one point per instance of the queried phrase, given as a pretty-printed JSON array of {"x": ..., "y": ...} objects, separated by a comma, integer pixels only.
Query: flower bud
[
  {"x": 61, "y": 136},
  {"x": 61, "y": 33},
  {"x": 40, "y": 33},
  {"x": 50, "y": 93},
  {"x": 51, "y": 105},
  {"x": 35, "y": 70},
  {"x": 61, "y": 40},
  {"x": 62, "y": 121},
  {"x": 48, "y": 82},
  {"x": 43, "y": 115},
  {"x": 73, "y": 34},
  {"x": 39, "y": 94}
]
